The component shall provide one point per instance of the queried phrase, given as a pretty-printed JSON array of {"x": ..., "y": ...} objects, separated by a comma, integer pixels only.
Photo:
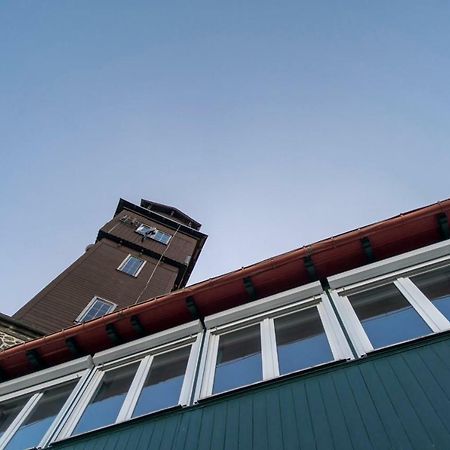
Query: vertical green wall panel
[{"x": 394, "y": 399}]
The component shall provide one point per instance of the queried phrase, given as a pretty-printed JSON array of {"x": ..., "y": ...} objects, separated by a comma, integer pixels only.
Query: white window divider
[
  {"x": 189, "y": 376},
  {"x": 352, "y": 324},
  {"x": 134, "y": 392},
  {"x": 270, "y": 370},
  {"x": 336, "y": 338},
  {"x": 432, "y": 316}
]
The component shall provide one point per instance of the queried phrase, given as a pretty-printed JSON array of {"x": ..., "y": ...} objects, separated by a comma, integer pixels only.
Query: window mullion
[
  {"x": 17, "y": 422},
  {"x": 189, "y": 375},
  {"x": 273, "y": 347},
  {"x": 210, "y": 366},
  {"x": 335, "y": 335},
  {"x": 431, "y": 315},
  {"x": 200, "y": 381},
  {"x": 267, "y": 365},
  {"x": 352, "y": 324},
  {"x": 135, "y": 389}
]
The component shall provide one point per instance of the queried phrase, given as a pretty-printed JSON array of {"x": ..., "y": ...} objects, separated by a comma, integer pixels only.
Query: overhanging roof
[
  {"x": 171, "y": 210},
  {"x": 327, "y": 257}
]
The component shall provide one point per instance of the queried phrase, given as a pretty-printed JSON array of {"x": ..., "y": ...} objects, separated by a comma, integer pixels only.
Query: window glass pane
[
  {"x": 160, "y": 236},
  {"x": 98, "y": 309},
  {"x": 301, "y": 341},
  {"x": 9, "y": 411},
  {"x": 436, "y": 286},
  {"x": 106, "y": 403},
  {"x": 132, "y": 265},
  {"x": 238, "y": 359},
  {"x": 387, "y": 317},
  {"x": 144, "y": 229},
  {"x": 162, "y": 387},
  {"x": 164, "y": 238},
  {"x": 38, "y": 422}
]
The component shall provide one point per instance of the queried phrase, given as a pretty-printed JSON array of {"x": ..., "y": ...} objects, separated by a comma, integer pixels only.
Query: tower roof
[{"x": 171, "y": 211}]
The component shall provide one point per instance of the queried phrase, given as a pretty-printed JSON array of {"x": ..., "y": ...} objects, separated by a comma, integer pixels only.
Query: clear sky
[{"x": 273, "y": 123}]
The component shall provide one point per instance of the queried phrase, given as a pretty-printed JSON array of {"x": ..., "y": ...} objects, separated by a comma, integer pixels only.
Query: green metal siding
[{"x": 395, "y": 399}]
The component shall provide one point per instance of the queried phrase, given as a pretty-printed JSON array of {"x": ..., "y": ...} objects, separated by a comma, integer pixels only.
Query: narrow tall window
[
  {"x": 387, "y": 317},
  {"x": 163, "y": 384},
  {"x": 239, "y": 359},
  {"x": 149, "y": 384},
  {"x": 33, "y": 428},
  {"x": 301, "y": 341},
  {"x": 104, "y": 407},
  {"x": 436, "y": 286},
  {"x": 9, "y": 411},
  {"x": 131, "y": 265}
]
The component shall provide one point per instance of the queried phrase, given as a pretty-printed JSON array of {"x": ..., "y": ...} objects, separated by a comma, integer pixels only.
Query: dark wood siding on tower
[
  {"x": 95, "y": 273},
  {"x": 180, "y": 246}
]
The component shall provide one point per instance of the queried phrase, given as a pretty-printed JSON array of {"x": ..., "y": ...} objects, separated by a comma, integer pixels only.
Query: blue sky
[{"x": 274, "y": 124}]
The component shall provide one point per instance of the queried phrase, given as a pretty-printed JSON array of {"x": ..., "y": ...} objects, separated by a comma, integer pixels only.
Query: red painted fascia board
[{"x": 330, "y": 256}]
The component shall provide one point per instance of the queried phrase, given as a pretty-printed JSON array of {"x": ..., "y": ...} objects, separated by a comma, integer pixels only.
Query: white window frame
[
  {"x": 396, "y": 271},
  {"x": 113, "y": 306},
  {"x": 140, "y": 231},
  {"x": 429, "y": 254},
  {"x": 263, "y": 312},
  {"x": 34, "y": 385},
  {"x": 124, "y": 262},
  {"x": 141, "y": 351}
]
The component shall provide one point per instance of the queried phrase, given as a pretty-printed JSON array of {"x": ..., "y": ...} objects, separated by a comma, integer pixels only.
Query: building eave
[
  {"x": 391, "y": 237},
  {"x": 171, "y": 209}
]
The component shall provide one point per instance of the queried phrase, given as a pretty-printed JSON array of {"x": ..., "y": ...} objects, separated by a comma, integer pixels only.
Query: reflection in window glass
[
  {"x": 387, "y": 317},
  {"x": 38, "y": 422},
  {"x": 301, "y": 341},
  {"x": 162, "y": 387},
  {"x": 153, "y": 233},
  {"x": 161, "y": 237},
  {"x": 98, "y": 308},
  {"x": 238, "y": 359},
  {"x": 436, "y": 286},
  {"x": 106, "y": 403},
  {"x": 9, "y": 411},
  {"x": 131, "y": 265}
]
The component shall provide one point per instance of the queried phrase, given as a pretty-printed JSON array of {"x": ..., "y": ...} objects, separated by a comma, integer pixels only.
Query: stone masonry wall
[{"x": 7, "y": 340}]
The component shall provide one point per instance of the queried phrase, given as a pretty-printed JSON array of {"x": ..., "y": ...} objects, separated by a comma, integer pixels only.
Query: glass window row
[{"x": 246, "y": 345}]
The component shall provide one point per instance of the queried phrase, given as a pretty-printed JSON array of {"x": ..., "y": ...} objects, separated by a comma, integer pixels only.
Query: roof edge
[{"x": 419, "y": 226}]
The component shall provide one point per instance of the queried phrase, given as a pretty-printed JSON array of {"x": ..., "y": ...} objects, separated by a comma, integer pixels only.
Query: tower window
[
  {"x": 131, "y": 265},
  {"x": 97, "y": 307},
  {"x": 153, "y": 233}
]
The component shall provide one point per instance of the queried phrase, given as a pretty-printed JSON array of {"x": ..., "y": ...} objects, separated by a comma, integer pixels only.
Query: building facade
[
  {"x": 143, "y": 252},
  {"x": 343, "y": 344}
]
